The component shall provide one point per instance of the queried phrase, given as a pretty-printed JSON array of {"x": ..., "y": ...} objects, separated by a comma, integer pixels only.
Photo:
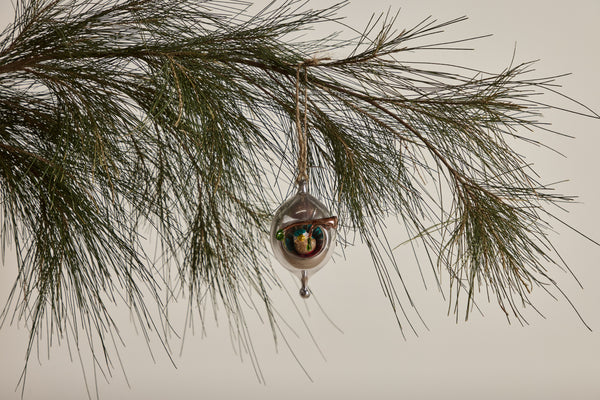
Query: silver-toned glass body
[{"x": 303, "y": 235}]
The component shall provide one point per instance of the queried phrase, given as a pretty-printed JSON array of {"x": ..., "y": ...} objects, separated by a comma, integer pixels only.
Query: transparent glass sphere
[{"x": 303, "y": 234}]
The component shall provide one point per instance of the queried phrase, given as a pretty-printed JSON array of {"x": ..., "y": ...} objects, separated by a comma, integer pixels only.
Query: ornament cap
[{"x": 302, "y": 187}]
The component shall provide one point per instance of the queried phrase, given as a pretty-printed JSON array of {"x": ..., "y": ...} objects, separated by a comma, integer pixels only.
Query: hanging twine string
[
  {"x": 302, "y": 123},
  {"x": 302, "y": 129}
]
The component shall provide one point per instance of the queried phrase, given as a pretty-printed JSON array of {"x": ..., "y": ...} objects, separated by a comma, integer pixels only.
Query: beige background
[{"x": 484, "y": 358}]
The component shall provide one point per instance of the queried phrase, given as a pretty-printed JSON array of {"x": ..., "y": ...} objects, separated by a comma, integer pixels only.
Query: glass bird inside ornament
[{"x": 303, "y": 236}]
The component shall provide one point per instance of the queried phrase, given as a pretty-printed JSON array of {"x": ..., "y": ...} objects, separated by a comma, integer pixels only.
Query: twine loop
[
  {"x": 302, "y": 128},
  {"x": 302, "y": 117}
]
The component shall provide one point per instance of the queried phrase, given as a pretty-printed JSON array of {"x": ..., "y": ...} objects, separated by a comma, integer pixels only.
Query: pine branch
[{"x": 176, "y": 118}]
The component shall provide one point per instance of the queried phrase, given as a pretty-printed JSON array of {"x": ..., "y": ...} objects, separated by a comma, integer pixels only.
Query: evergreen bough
[{"x": 144, "y": 145}]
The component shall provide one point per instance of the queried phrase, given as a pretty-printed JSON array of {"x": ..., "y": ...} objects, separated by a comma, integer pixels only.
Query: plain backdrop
[{"x": 484, "y": 358}]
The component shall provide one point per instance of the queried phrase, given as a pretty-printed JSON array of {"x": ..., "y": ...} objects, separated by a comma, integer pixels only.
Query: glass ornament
[{"x": 303, "y": 234}]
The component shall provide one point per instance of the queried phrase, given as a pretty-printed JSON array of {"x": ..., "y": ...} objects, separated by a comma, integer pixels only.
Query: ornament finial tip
[{"x": 304, "y": 290}]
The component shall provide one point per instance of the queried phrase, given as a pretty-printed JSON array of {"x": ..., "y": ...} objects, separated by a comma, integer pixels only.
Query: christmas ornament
[
  {"x": 303, "y": 231},
  {"x": 303, "y": 236}
]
